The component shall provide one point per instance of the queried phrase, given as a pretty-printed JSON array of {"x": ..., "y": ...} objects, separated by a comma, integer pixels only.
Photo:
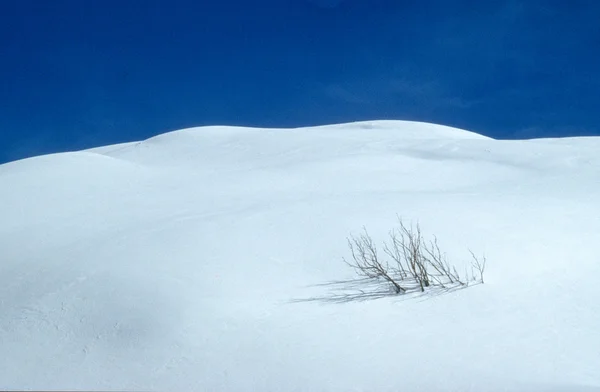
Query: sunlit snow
[{"x": 173, "y": 263}]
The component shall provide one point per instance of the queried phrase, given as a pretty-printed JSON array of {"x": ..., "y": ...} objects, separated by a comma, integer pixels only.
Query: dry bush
[{"x": 415, "y": 264}]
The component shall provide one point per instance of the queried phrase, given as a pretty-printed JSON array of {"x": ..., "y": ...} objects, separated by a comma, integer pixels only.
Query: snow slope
[{"x": 172, "y": 263}]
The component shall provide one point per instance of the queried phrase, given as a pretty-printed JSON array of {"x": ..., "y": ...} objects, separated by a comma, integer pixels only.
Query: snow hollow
[{"x": 173, "y": 263}]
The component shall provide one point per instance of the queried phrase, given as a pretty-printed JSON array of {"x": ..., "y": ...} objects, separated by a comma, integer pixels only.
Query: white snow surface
[{"x": 172, "y": 263}]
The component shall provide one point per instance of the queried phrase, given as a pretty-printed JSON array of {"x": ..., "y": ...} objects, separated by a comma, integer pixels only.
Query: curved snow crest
[
  {"x": 236, "y": 145},
  {"x": 383, "y": 129},
  {"x": 409, "y": 129},
  {"x": 395, "y": 128}
]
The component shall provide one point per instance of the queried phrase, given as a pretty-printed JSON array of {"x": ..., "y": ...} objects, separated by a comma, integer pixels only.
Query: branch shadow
[{"x": 370, "y": 289}]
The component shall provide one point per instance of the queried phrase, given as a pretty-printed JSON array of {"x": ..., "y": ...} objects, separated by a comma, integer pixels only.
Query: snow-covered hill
[{"x": 170, "y": 264}]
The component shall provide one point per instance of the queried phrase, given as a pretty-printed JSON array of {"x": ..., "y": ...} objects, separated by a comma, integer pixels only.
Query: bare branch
[
  {"x": 416, "y": 265},
  {"x": 479, "y": 265},
  {"x": 366, "y": 261}
]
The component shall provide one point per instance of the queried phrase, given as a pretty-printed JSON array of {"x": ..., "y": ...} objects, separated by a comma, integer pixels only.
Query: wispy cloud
[
  {"x": 430, "y": 91},
  {"x": 377, "y": 89},
  {"x": 343, "y": 93}
]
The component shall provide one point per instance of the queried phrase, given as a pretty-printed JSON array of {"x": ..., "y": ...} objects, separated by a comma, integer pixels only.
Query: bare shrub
[{"x": 415, "y": 264}]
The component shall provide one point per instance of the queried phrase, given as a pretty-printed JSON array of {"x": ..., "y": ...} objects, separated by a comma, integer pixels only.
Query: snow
[{"x": 174, "y": 263}]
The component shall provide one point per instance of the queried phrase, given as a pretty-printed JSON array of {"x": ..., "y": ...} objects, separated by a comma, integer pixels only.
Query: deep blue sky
[{"x": 82, "y": 73}]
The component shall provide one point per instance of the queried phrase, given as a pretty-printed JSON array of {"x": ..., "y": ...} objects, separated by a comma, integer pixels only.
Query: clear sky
[{"x": 82, "y": 73}]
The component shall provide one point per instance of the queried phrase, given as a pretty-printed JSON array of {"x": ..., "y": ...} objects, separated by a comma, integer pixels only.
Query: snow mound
[{"x": 172, "y": 263}]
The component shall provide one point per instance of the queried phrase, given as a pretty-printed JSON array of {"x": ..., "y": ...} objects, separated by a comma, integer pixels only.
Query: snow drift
[{"x": 172, "y": 263}]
